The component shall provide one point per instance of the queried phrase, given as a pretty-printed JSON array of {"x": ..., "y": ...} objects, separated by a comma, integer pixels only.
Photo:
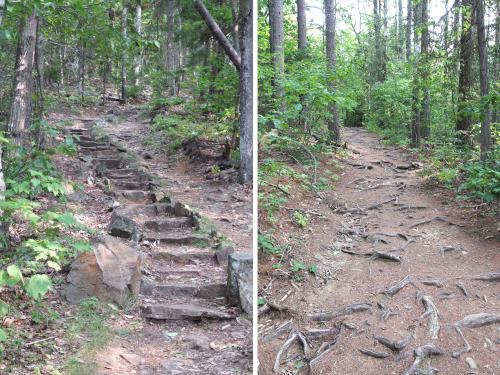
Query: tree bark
[
  {"x": 2, "y": 10},
  {"x": 400, "y": 36},
  {"x": 124, "y": 53},
  {"x": 408, "y": 31},
  {"x": 138, "y": 58},
  {"x": 170, "y": 49},
  {"x": 425, "y": 120},
  {"x": 483, "y": 78},
  {"x": 219, "y": 35},
  {"x": 380, "y": 68},
  {"x": 276, "y": 24},
  {"x": 21, "y": 107},
  {"x": 331, "y": 61},
  {"x": 464, "y": 119},
  {"x": 246, "y": 92},
  {"x": 415, "y": 124},
  {"x": 301, "y": 26},
  {"x": 235, "y": 26},
  {"x": 496, "y": 59}
]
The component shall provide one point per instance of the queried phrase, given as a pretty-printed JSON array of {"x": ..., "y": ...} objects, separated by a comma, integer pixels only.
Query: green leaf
[
  {"x": 38, "y": 285},
  {"x": 4, "y": 308},
  {"x": 54, "y": 265},
  {"x": 3, "y": 335},
  {"x": 13, "y": 275}
]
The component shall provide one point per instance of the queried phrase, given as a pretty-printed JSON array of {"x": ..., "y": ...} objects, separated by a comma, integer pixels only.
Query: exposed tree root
[
  {"x": 378, "y": 205},
  {"x": 324, "y": 349},
  {"x": 432, "y": 313},
  {"x": 473, "y": 321},
  {"x": 437, "y": 218},
  {"x": 374, "y": 354},
  {"x": 393, "y": 290},
  {"x": 444, "y": 249},
  {"x": 492, "y": 276},
  {"x": 348, "y": 310},
  {"x": 286, "y": 346},
  {"x": 388, "y": 256},
  {"x": 420, "y": 354},
  {"x": 435, "y": 283},
  {"x": 268, "y": 306},
  {"x": 395, "y": 345},
  {"x": 284, "y": 328},
  {"x": 461, "y": 286}
]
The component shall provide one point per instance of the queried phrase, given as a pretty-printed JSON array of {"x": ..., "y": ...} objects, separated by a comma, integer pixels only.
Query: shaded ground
[
  {"x": 381, "y": 205},
  {"x": 146, "y": 346}
]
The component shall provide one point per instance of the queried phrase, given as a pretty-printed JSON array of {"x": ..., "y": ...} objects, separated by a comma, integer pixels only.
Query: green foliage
[
  {"x": 267, "y": 245},
  {"x": 300, "y": 219},
  {"x": 482, "y": 179}
]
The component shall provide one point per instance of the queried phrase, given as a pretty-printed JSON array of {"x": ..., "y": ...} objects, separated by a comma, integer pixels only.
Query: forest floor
[
  {"x": 380, "y": 208},
  {"x": 124, "y": 341}
]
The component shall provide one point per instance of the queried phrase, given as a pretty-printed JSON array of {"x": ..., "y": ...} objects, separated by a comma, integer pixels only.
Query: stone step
[
  {"x": 183, "y": 312},
  {"x": 77, "y": 131},
  {"x": 130, "y": 185},
  {"x": 111, "y": 163},
  {"x": 169, "y": 223},
  {"x": 185, "y": 255},
  {"x": 91, "y": 143},
  {"x": 136, "y": 196},
  {"x": 125, "y": 172},
  {"x": 206, "y": 291},
  {"x": 178, "y": 238},
  {"x": 142, "y": 212},
  {"x": 91, "y": 149}
]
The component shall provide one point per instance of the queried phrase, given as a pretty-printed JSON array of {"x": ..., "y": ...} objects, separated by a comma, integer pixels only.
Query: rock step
[
  {"x": 178, "y": 238},
  {"x": 185, "y": 255},
  {"x": 183, "y": 312},
  {"x": 206, "y": 291},
  {"x": 110, "y": 163},
  {"x": 130, "y": 185},
  {"x": 142, "y": 212},
  {"x": 175, "y": 273},
  {"x": 84, "y": 143},
  {"x": 89, "y": 150},
  {"x": 124, "y": 172},
  {"x": 77, "y": 131},
  {"x": 136, "y": 196},
  {"x": 169, "y": 223}
]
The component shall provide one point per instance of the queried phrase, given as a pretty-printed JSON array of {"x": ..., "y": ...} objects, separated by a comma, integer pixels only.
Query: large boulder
[
  {"x": 240, "y": 281},
  {"x": 112, "y": 272}
]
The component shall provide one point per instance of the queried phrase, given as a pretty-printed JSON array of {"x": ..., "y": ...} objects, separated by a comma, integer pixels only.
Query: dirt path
[
  {"x": 381, "y": 208},
  {"x": 180, "y": 323}
]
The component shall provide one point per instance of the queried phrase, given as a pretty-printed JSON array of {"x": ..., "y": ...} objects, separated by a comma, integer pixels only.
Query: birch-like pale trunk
[
  {"x": 331, "y": 63},
  {"x": 138, "y": 58}
]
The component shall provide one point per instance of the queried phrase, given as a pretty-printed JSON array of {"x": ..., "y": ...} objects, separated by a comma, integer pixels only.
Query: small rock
[
  {"x": 146, "y": 287},
  {"x": 122, "y": 226},
  {"x": 77, "y": 197},
  {"x": 472, "y": 364},
  {"x": 169, "y": 335},
  {"x": 196, "y": 342},
  {"x": 147, "y": 156},
  {"x": 171, "y": 367}
]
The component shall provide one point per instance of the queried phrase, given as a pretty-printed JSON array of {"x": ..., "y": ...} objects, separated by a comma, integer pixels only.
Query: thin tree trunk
[
  {"x": 218, "y": 34},
  {"x": 425, "y": 119},
  {"x": 39, "y": 62},
  {"x": 385, "y": 37},
  {"x": 400, "y": 37},
  {"x": 276, "y": 24},
  {"x": 124, "y": 53},
  {"x": 2, "y": 10},
  {"x": 408, "y": 30},
  {"x": 301, "y": 26},
  {"x": 246, "y": 92},
  {"x": 464, "y": 119},
  {"x": 379, "y": 44},
  {"x": 21, "y": 107},
  {"x": 331, "y": 61},
  {"x": 496, "y": 59},
  {"x": 483, "y": 78},
  {"x": 62, "y": 55},
  {"x": 415, "y": 124},
  {"x": 138, "y": 58},
  {"x": 235, "y": 27},
  {"x": 171, "y": 49}
]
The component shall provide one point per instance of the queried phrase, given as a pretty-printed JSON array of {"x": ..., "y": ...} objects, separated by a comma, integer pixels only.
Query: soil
[
  {"x": 148, "y": 346},
  {"x": 381, "y": 204}
]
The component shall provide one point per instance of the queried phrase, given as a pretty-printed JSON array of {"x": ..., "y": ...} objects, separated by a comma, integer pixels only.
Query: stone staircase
[{"x": 181, "y": 276}]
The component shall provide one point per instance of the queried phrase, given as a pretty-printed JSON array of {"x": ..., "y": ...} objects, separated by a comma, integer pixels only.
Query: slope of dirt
[
  {"x": 180, "y": 323},
  {"x": 381, "y": 206}
]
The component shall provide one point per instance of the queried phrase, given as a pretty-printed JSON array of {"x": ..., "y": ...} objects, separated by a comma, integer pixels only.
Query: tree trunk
[
  {"x": 379, "y": 44},
  {"x": 425, "y": 119},
  {"x": 235, "y": 28},
  {"x": 331, "y": 62},
  {"x": 218, "y": 34},
  {"x": 124, "y": 53},
  {"x": 496, "y": 59},
  {"x": 400, "y": 37},
  {"x": 483, "y": 78},
  {"x": 246, "y": 92},
  {"x": 276, "y": 24},
  {"x": 301, "y": 26},
  {"x": 21, "y": 107},
  {"x": 138, "y": 58},
  {"x": 464, "y": 119},
  {"x": 408, "y": 30},
  {"x": 2, "y": 10},
  {"x": 415, "y": 124}
]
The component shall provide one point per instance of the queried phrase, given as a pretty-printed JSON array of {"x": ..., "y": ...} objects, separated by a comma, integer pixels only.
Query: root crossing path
[
  {"x": 180, "y": 323},
  {"x": 407, "y": 281}
]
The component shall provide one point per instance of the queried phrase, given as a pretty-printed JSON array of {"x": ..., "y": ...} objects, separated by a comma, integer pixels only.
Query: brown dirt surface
[{"x": 377, "y": 207}]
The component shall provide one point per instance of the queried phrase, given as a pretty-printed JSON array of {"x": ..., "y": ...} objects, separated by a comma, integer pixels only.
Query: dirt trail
[
  {"x": 180, "y": 323},
  {"x": 381, "y": 208}
]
